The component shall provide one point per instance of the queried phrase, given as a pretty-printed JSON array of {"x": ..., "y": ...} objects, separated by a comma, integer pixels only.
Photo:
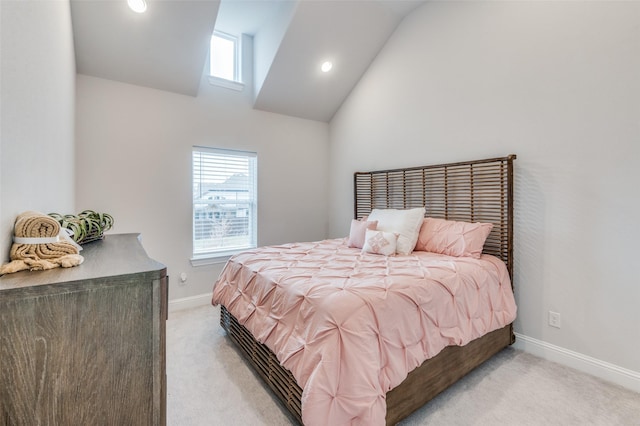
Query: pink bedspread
[{"x": 351, "y": 326}]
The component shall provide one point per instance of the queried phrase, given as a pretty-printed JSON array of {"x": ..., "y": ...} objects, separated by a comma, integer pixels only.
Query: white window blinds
[{"x": 224, "y": 201}]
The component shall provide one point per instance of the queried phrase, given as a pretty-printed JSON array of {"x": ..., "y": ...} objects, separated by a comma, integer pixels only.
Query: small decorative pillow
[
  {"x": 453, "y": 238},
  {"x": 380, "y": 242},
  {"x": 358, "y": 229},
  {"x": 405, "y": 223}
]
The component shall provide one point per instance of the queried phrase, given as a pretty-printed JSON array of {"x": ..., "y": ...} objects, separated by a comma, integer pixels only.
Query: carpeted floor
[{"x": 209, "y": 383}]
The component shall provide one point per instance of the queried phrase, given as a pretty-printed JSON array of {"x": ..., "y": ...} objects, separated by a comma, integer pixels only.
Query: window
[
  {"x": 224, "y": 65},
  {"x": 224, "y": 202}
]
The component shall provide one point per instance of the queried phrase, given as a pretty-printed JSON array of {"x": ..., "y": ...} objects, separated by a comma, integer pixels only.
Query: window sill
[
  {"x": 228, "y": 84},
  {"x": 214, "y": 259}
]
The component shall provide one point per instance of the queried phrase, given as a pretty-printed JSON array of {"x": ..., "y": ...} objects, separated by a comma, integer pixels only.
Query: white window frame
[
  {"x": 236, "y": 83},
  {"x": 207, "y": 255}
]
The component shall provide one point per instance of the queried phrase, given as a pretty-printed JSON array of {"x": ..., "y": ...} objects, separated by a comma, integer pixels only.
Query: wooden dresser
[{"x": 85, "y": 345}]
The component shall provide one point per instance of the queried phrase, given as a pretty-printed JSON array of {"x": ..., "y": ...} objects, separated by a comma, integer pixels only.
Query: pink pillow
[
  {"x": 357, "y": 232},
  {"x": 453, "y": 238}
]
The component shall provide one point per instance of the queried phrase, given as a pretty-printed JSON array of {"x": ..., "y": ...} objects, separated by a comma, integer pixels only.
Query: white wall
[
  {"x": 37, "y": 112},
  {"x": 134, "y": 161},
  {"x": 267, "y": 42},
  {"x": 556, "y": 83}
]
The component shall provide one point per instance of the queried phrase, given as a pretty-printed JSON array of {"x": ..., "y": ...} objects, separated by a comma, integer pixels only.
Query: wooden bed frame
[{"x": 473, "y": 191}]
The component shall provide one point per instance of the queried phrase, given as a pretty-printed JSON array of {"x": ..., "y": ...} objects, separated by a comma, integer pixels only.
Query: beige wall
[
  {"x": 134, "y": 161},
  {"x": 555, "y": 83},
  {"x": 37, "y": 78}
]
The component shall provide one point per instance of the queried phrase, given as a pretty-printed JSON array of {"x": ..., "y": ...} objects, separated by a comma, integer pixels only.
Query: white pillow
[
  {"x": 379, "y": 242},
  {"x": 405, "y": 223}
]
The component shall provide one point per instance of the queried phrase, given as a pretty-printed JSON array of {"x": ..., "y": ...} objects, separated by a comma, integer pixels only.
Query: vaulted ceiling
[{"x": 167, "y": 46}]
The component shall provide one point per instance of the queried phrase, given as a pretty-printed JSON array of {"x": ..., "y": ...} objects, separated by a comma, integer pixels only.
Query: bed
[{"x": 255, "y": 287}]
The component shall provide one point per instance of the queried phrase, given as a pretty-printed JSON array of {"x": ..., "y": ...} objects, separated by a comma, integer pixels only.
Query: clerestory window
[{"x": 225, "y": 64}]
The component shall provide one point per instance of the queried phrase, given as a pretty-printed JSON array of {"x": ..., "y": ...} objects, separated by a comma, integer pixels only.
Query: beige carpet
[{"x": 209, "y": 383}]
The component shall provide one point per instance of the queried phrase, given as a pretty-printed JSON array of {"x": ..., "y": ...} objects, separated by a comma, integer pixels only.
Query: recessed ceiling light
[
  {"x": 326, "y": 66},
  {"x": 138, "y": 6}
]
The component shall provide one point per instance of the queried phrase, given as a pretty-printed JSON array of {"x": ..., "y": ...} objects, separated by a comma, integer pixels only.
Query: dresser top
[{"x": 115, "y": 255}]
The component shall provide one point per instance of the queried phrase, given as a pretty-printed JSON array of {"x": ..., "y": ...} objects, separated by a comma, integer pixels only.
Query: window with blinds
[{"x": 224, "y": 201}]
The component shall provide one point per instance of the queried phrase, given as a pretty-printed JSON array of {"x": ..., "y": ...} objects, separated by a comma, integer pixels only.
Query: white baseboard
[
  {"x": 609, "y": 372},
  {"x": 190, "y": 302}
]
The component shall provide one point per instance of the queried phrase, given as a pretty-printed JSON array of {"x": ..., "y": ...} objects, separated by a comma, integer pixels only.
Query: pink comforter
[{"x": 351, "y": 326}]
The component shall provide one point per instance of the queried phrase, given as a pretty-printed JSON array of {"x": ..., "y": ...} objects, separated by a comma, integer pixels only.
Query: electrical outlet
[{"x": 554, "y": 319}]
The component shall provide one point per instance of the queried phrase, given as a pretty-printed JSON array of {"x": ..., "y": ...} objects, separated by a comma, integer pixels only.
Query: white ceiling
[{"x": 166, "y": 47}]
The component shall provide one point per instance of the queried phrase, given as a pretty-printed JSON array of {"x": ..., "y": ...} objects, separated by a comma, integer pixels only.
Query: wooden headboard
[{"x": 471, "y": 191}]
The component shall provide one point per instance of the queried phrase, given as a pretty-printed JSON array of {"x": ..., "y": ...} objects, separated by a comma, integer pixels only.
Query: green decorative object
[{"x": 86, "y": 226}]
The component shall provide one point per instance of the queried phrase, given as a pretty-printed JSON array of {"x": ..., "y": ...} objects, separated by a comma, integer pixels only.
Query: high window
[
  {"x": 224, "y": 201},
  {"x": 224, "y": 65}
]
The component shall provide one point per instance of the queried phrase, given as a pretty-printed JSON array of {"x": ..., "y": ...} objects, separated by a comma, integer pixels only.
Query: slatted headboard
[{"x": 471, "y": 191}]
